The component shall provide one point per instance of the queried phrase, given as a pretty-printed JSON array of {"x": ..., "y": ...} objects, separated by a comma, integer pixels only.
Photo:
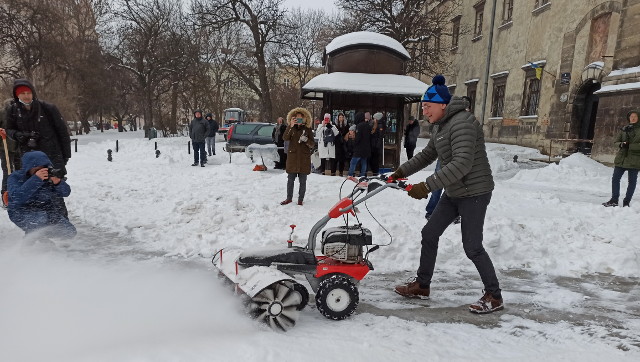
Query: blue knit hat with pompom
[{"x": 438, "y": 92}]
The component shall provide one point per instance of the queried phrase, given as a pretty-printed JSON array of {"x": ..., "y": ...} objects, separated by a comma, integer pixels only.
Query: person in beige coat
[{"x": 299, "y": 133}]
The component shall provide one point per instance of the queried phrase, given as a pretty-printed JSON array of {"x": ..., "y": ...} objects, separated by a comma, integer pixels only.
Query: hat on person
[
  {"x": 378, "y": 116},
  {"x": 327, "y": 115},
  {"x": 352, "y": 128},
  {"x": 22, "y": 88},
  {"x": 438, "y": 92}
]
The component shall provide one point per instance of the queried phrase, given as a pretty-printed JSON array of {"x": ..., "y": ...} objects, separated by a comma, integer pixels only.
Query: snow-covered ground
[{"x": 137, "y": 283}]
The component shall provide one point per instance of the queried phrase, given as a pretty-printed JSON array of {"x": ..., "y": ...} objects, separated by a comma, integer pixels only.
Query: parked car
[{"x": 240, "y": 135}]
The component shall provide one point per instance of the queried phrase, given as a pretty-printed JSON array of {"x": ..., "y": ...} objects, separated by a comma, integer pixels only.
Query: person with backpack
[
  {"x": 326, "y": 135},
  {"x": 210, "y": 140},
  {"x": 627, "y": 160},
  {"x": 37, "y": 125}
]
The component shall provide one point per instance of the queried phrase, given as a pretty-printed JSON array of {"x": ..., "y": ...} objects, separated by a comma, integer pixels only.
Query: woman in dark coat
[
  {"x": 343, "y": 130},
  {"x": 300, "y": 136}
]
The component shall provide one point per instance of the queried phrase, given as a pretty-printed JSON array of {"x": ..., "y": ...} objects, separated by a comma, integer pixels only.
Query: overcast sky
[{"x": 326, "y": 5}]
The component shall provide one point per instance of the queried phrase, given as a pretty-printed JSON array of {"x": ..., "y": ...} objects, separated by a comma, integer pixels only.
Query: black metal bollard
[
  {"x": 116, "y": 145},
  {"x": 76, "y": 147},
  {"x": 189, "y": 147},
  {"x": 109, "y": 158},
  {"x": 156, "y": 145},
  {"x": 157, "y": 153},
  {"x": 515, "y": 158}
]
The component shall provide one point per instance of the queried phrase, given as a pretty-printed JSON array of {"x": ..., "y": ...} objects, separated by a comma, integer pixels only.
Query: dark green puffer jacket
[
  {"x": 458, "y": 141},
  {"x": 629, "y": 157}
]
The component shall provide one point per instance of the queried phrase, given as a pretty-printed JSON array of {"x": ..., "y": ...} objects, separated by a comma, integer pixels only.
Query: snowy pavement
[{"x": 137, "y": 283}]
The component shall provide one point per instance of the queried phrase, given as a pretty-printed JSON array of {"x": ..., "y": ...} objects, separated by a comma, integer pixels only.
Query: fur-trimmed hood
[{"x": 307, "y": 116}]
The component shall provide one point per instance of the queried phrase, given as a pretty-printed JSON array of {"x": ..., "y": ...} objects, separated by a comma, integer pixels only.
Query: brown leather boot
[
  {"x": 486, "y": 304},
  {"x": 412, "y": 290}
]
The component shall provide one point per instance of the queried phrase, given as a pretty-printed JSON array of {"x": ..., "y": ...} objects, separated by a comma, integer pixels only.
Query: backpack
[{"x": 328, "y": 136}]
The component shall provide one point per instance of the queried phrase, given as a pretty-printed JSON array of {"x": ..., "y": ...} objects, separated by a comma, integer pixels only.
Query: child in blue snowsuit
[{"x": 36, "y": 198}]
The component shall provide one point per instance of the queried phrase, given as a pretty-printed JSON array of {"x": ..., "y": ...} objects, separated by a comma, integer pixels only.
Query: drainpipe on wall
[{"x": 488, "y": 62}]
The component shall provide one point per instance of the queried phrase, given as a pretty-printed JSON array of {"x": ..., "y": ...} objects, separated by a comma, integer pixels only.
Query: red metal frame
[
  {"x": 327, "y": 265},
  {"x": 335, "y": 212}
]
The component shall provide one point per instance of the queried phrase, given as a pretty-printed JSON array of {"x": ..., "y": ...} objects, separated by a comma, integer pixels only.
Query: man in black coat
[
  {"x": 411, "y": 132},
  {"x": 198, "y": 131},
  {"x": 37, "y": 125}
]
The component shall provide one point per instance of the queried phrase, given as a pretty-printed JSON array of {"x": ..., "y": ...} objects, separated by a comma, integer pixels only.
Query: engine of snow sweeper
[{"x": 345, "y": 243}]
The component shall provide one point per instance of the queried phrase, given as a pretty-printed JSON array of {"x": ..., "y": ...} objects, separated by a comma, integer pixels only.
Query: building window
[
  {"x": 540, "y": 3},
  {"x": 455, "y": 31},
  {"x": 497, "y": 104},
  {"x": 531, "y": 94},
  {"x": 477, "y": 28},
  {"x": 471, "y": 93},
  {"x": 507, "y": 11}
]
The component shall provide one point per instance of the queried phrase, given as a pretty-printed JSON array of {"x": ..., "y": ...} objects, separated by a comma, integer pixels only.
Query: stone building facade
[{"x": 561, "y": 75}]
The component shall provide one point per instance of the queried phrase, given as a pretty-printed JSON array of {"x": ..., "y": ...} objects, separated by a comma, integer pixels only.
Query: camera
[
  {"x": 627, "y": 128},
  {"x": 32, "y": 142},
  {"x": 55, "y": 172}
]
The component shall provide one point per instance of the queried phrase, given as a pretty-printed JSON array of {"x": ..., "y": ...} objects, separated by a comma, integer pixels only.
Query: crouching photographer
[{"x": 36, "y": 193}]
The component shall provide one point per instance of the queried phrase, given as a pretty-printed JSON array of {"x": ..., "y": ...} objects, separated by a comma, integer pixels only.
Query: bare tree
[
  {"x": 263, "y": 20},
  {"x": 302, "y": 49},
  {"x": 142, "y": 38},
  {"x": 419, "y": 25}
]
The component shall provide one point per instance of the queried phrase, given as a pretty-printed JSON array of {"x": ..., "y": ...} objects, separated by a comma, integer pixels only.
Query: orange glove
[{"x": 3, "y": 133}]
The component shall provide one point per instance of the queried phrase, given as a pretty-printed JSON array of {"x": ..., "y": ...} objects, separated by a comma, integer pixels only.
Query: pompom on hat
[{"x": 438, "y": 92}]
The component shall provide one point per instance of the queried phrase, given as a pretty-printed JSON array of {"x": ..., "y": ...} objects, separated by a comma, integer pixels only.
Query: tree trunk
[{"x": 173, "y": 122}]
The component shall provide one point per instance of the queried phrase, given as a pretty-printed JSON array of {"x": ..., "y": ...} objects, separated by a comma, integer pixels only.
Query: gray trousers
[
  {"x": 303, "y": 185},
  {"x": 211, "y": 145},
  {"x": 472, "y": 210}
]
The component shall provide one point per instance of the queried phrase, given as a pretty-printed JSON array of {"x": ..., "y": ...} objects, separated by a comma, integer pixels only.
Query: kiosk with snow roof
[{"x": 366, "y": 72}]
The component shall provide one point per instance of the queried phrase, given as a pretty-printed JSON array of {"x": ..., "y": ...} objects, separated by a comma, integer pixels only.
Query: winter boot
[
  {"x": 195, "y": 164},
  {"x": 300, "y": 202},
  {"x": 610, "y": 203},
  {"x": 486, "y": 304},
  {"x": 202, "y": 164},
  {"x": 626, "y": 203},
  {"x": 285, "y": 202},
  {"x": 413, "y": 290}
]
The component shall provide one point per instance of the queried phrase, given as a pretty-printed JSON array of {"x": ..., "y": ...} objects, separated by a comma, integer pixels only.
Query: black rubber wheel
[
  {"x": 304, "y": 293},
  {"x": 337, "y": 297}
]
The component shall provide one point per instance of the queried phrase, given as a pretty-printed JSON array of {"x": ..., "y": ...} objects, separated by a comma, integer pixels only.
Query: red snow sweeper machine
[{"x": 266, "y": 277}]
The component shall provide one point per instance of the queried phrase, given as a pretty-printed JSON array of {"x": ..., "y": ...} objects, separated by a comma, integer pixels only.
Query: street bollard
[
  {"x": 116, "y": 145},
  {"x": 157, "y": 153},
  {"x": 76, "y": 145},
  {"x": 109, "y": 158},
  {"x": 156, "y": 145},
  {"x": 189, "y": 147}
]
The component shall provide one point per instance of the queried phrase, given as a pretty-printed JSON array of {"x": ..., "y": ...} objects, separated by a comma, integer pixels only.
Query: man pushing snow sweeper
[{"x": 458, "y": 141}]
